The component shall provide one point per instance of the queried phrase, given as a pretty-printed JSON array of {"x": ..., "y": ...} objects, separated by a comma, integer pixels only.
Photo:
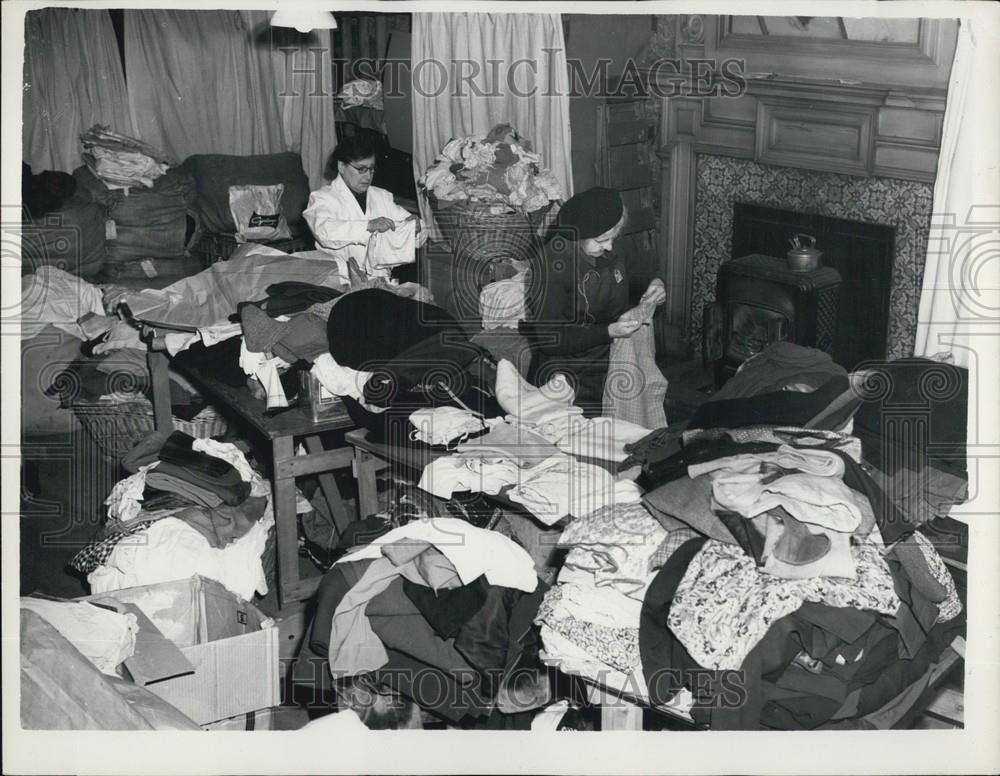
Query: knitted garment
[{"x": 635, "y": 388}]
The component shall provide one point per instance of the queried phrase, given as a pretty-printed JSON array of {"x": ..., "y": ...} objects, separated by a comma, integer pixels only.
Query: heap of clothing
[
  {"x": 542, "y": 454},
  {"x": 286, "y": 332},
  {"x": 436, "y": 609},
  {"x": 805, "y": 596},
  {"x": 613, "y": 555},
  {"x": 121, "y": 161},
  {"x": 189, "y": 506}
]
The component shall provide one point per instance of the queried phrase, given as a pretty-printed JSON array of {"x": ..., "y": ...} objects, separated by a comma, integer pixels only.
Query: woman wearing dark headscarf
[{"x": 578, "y": 293}]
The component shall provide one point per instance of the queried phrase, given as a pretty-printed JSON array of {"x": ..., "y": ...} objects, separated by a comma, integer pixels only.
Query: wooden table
[
  {"x": 280, "y": 431},
  {"x": 372, "y": 457}
]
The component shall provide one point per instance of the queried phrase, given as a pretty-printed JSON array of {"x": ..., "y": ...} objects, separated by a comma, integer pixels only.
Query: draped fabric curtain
[
  {"x": 73, "y": 80},
  {"x": 960, "y": 299},
  {"x": 225, "y": 82},
  {"x": 196, "y": 85},
  {"x": 472, "y": 71},
  {"x": 303, "y": 79}
]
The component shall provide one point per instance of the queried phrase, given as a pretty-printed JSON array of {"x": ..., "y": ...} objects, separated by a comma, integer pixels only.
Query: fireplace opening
[{"x": 861, "y": 253}]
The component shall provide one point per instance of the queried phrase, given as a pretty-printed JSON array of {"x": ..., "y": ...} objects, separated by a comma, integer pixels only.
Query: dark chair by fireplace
[{"x": 841, "y": 307}]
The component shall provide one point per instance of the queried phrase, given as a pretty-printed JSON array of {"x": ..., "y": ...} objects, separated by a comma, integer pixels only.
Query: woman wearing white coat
[{"x": 345, "y": 214}]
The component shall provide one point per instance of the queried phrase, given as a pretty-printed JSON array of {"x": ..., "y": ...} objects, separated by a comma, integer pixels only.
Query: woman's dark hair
[{"x": 350, "y": 149}]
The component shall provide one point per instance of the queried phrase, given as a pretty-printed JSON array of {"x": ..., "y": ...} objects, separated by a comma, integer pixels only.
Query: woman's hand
[
  {"x": 655, "y": 294},
  {"x": 112, "y": 295},
  {"x": 620, "y": 328},
  {"x": 381, "y": 224}
]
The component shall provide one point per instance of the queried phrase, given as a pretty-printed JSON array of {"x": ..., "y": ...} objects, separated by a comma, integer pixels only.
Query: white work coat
[{"x": 339, "y": 226}]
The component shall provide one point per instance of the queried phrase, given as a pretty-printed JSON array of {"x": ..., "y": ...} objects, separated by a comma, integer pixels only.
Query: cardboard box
[{"x": 201, "y": 648}]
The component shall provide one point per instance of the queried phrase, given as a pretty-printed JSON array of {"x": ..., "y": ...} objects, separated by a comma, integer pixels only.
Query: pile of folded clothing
[
  {"x": 190, "y": 506},
  {"x": 121, "y": 161},
  {"x": 613, "y": 555}
]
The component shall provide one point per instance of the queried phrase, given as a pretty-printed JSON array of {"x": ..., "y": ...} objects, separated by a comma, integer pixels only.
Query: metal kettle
[{"x": 802, "y": 257}]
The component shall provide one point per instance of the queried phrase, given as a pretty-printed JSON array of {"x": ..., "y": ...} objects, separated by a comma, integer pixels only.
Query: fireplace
[
  {"x": 873, "y": 231},
  {"x": 860, "y": 253}
]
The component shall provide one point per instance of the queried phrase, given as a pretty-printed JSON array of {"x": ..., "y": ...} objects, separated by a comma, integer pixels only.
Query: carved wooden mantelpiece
[{"x": 842, "y": 106}]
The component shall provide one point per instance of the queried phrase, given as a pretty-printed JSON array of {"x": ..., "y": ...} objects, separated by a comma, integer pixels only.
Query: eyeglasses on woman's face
[{"x": 363, "y": 169}]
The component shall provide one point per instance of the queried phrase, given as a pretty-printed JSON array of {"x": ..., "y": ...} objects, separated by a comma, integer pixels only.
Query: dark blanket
[{"x": 404, "y": 341}]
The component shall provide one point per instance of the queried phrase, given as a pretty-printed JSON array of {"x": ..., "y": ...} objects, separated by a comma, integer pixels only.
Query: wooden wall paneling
[
  {"x": 905, "y": 160},
  {"x": 922, "y": 64},
  {"x": 727, "y": 140},
  {"x": 627, "y": 168},
  {"x": 631, "y": 131},
  {"x": 641, "y": 216},
  {"x": 919, "y": 126},
  {"x": 677, "y": 245},
  {"x": 815, "y": 136},
  {"x": 601, "y": 159}
]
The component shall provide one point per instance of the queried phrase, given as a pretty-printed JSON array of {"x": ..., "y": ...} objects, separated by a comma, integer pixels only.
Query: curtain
[
  {"x": 73, "y": 80},
  {"x": 303, "y": 79},
  {"x": 960, "y": 298},
  {"x": 227, "y": 82},
  {"x": 196, "y": 85},
  {"x": 526, "y": 85}
]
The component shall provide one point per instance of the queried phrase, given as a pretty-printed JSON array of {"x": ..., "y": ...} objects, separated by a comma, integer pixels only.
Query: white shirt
[{"x": 338, "y": 223}]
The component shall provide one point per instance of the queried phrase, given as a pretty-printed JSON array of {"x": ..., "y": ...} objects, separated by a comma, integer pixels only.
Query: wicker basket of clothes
[
  {"x": 478, "y": 235},
  {"x": 119, "y": 423},
  {"x": 490, "y": 194}
]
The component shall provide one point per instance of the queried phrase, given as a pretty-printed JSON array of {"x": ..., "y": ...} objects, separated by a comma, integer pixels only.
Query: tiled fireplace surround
[{"x": 902, "y": 204}]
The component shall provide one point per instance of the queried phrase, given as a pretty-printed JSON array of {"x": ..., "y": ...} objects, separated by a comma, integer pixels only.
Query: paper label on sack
[
  {"x": 268, "y": 221},
  {"x": 148, "y": 268},
  {"x": 110, "y": 229}
]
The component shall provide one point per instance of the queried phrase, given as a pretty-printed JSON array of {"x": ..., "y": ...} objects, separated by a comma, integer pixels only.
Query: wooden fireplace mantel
[{"x": 838, "y": 106}]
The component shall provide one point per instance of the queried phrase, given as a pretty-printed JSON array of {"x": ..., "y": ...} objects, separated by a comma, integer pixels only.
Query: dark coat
[{"x": 572, "y": 298}]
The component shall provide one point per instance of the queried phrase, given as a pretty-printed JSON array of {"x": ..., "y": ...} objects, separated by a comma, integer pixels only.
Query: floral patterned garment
[
  {"x": 725, "y": 605},
  {"x": 616, "y": 543},
  {"x": 951, "y": 606},
  {"x": 615, "y": 647}
]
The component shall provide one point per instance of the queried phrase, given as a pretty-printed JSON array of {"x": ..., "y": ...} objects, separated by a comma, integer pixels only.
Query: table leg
[
  {"x": 619, "y": 714},
  {"x": 342, "y": 516},
  {"x": 285, "y": 526},
  {"x": 366, "y": 468},
  {"x": 163, "y": 419}
]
